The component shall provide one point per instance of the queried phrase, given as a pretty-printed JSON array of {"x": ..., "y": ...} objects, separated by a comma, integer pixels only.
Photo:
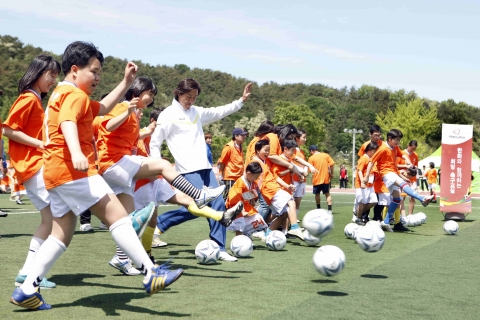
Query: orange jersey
[
  {"x": 386, "y": 159},
  {"x": 431, "y": 176},
  {"x": 113, "y": 145},
  {"x": 26, "y": 115},
  {"x": 267, "y": 182},
  {"x": 67, "y": 103},
  {"x": 232, "y": 159},
  {"x": 250, "y": 151},
  {"x": 298, "y": 153},
  {"x": 275, "y": 148},
  {"x": 322, "y": 162},
  {"x": 413, "y": 157},
  {"x": 276, "y": 170},
  {"x": 235, "y": 195},
  {"x": 361, "y": 152},
  {"x": 362, "y": 165},
  {"x": 378, "y": 184}
]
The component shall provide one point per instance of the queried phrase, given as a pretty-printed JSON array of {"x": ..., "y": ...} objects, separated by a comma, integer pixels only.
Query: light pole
[{"x": 353, "y": 132}]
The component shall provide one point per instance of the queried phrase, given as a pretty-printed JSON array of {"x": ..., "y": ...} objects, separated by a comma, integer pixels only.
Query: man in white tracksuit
[{"x": 180, "y": 125}]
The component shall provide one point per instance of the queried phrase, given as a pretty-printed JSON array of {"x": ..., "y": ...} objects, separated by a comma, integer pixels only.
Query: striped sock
[
  {"x": 186, "y": 187},
  {"x": 121, "y": 255}
]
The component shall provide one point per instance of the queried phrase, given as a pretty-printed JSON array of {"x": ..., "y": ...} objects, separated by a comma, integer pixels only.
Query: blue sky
[{"x": 431, "y": 47}]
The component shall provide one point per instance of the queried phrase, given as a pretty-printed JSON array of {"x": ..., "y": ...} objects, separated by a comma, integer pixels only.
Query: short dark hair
[
  {"x": 394, "y": 134},
  {"x": 139, "y": 85},
  {"x": 375, "y": 128},
  {"x": 288, "y": 143},
  {"x": 260, "y": 144},
  {"x": 371, "y": 146},
  {"x": 432, "y": 165},
  {"x": 412, "y": 171},
  {"x": 208, "y": 135},
  {"x": 265, "y": 127},
  {"x": 155, "y": 113},
  {"x": 254, "y": 167},
  {"x": 413, "y": 143},
  {"x": 79, "y": 53},
  {"x": 186, "y": 85},
  {"x": 283, "y": 131},
  {"x": 37, "y": 67}
]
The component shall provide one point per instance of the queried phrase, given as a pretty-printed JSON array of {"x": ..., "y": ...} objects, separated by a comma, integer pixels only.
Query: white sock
[
  {"x": 46, "y": 256},
  {"x": 157, "y": 231},
  {"x": 126, "y": 239},
  {"x": 35, "y": 244}
]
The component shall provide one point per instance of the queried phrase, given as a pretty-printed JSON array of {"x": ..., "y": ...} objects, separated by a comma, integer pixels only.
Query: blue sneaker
[
  {"x": 141, "y": 218},
  {"x": 161, "y": 277},
  {"x": 29, "y": 301},
  {"x": 44, "y": 284}
]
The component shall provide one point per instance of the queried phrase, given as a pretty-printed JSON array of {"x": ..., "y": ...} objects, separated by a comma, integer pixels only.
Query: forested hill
[{"x": 323, "y": 110}]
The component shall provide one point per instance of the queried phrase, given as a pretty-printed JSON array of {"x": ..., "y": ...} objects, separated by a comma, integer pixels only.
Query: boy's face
[
  {"x": 188, "y": 98},
  {"x": 394, "y": 142},
  {"x": 208, "y": 141},
  {"x": 375, "y": 136},
  {"x": 370, "y": 153},
  {"x": 264, "y": 152},
  {"x": 289, "y": 152},
  {"x": 88, "y": 77},
  {"x": 252, "y": 177}
]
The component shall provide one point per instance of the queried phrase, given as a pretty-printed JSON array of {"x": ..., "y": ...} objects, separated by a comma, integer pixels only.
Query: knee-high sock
[
  {"x": 46, "y": 256},
  {"x": 391, "y": 209},
  {"x": 377, "y": 212},
  {"x": 35, "y": 244},
  {"x": 205, "y": 212},
  {"x": 408, "y": 190},
  {"x": 147, "y": 239},
  {"x": 125, "y": 237},
  {"x": 397, "y": 215},
  {"x": 186, "y": 187}
]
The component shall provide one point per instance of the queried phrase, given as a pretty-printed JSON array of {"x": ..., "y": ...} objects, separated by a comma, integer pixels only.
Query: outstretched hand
[
  {"x": 247, "y": 91},
  {"x": 130, "y": 72}
]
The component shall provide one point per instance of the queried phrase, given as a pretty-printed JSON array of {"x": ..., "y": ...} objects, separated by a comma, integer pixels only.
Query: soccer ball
[
  {"x": 350, "y": 229},
  {"x": 450, "y": 227},
  {"x": 411, "y": 221},
  {"x": 404, "y": 221},
  {"x": 318, "y": 222},
  {"x": 370, "y": 238},
  {"x": 418, "y": 219},
  {"x": 276, "y": 240},
  {"x": 423, "y": 217},
  {"x": 356, "y": 232},
  {"x": 310, "y": 240},
  {"x": 373, "y": 224},
  {"x": 329, "y": 260},
  {"x": 207, "y": 252},
  {"x": 241, "y": 246}
]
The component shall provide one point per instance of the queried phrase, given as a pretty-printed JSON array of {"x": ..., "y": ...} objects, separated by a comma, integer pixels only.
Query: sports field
[{"x": 422, "y": 274}]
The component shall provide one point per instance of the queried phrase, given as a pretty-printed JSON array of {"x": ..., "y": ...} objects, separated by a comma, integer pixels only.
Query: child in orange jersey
[
  {"x": 386, "y": 161},
  {"x": 299, "y": 181},
  {"x": 71, "y": 177},
  {"x": 245, "y": 190},
  {"x": 364, "y": 192},
  {"x": 431, "y": 176},
  {"x": 323, "y": 163},
  {"x": 23, "y": 127}
]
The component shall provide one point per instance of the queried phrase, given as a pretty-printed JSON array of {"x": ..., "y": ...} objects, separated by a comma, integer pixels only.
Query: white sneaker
[
  {"x": 226, "y": 257},
  {"x": 354, "y": 219},
  {"x": 297, "y": 233},
  {"x": 86, "y": 227},
  {"x": 330, "y": 211},
  {"x": 125, "y": 267},
  {"x": 386, "y": 227},
  {"x": 103, "y": 226},
  {"x": 208, "y": 195},
  {"x": 427, "y": 200},
  {"x": 259, "y": 235},
  {"x": 157, "y": 243}
]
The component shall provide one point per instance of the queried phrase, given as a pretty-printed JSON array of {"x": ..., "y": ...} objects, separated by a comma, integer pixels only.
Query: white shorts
[
  {"x": 249, "y": 224},
  {"x": 384, "y": 199},
  {"x": 366, "y": 195},
  {"x": 389, "y": 179},
  {"x": 36, "y": 191},
  {"x": 299, "y": 189},
  {"x": 432, "y": 186},
  {"x": 78, "y": 195},
  {"x": 158, "y": 191},
  {"x": 120, "y": 175},
  {"x": 19, "y": 193},
  {"x": 280, "y": 201}
]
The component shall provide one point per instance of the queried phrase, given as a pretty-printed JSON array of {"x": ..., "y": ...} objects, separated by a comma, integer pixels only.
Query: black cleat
[
  {"x": 400, "y": 228},
  {"x": 230, "y": 214}
]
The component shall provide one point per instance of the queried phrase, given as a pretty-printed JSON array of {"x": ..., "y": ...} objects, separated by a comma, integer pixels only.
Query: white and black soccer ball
[
  {"x": 423, "y": 217},
  {"x": 318, "y": 222},
  {"x": 374, "y": 224},
  {"x": 310, "y": 240},
  {"x": 411, "y": 221},
  {"x": 370, "y": 239},
  {"x": 349, "y": 230},
  {"x": 404, "y": 221},
  {"x": 450, "y": 227},
  {"x": 276, "y": 240},
  {"x": 329, "y": 260},
  {"x": 241, "y": 246},
  {"x": 418, "y": 219},
  {"x": 207, "y": 252},
  {"x": 356, "y": 232}
]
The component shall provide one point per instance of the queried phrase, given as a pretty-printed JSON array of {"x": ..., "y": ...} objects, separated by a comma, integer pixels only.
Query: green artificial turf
[{"x": 422, "y": 274}]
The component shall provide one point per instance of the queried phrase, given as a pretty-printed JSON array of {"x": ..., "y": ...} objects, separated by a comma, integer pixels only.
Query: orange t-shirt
[
  {"x": 431, "y": 176},
  {"x": 235, "y": 195},
  {"x": 232, "y": 159},
  {"x": 361, "y": 152},
  {"x": 67, "y": 103},
  {"x": 276, "y": 169},
  {"x": 250, "y": 151},
  {"x": 413, "y": 157},
  {"x": 267, "y": 182},
  {"x": 275, "y": 148},
  {"x": 113, "y": 145},
  {"x": 378, "y": 184},
  {"x": 322, "y": 162},
  {"x": 298, "y": 153},
  {"x": 362, "y": 165},
  {"x": 386, "y": 159},
  {"x": 26, "y": 115}
]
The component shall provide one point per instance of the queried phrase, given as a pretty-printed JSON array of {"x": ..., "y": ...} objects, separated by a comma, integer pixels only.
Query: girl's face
[
  {"x": 188, "y": 98},
  {"x": 145, "y": 98},
  {"x": 301, "y": 141},
  {"x": 289, "y": 152},
  {"x": 46, "y": 81},
  {"x": 264, "y": 152}
]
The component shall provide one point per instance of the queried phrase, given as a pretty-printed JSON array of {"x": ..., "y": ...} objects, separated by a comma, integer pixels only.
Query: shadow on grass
[
  {"x": 112, "y": 303},
  {"x": 332, "y": 293},
  {"x": 324, "y": 281},
  {"x": 14, "y": 235},
  {"x": 204, "y": 267},
  {"x": 186, "y": 274},
  {"x": 374, "y": 276},
  {"x": 78, "y": 280}
]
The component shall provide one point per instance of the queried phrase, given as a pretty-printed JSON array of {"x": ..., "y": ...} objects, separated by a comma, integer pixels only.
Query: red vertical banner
[{"x": 455, "y": 168}]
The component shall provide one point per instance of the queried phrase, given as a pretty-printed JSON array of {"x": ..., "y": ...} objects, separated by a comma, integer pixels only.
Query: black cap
[{"x": 313, "y": 147}]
